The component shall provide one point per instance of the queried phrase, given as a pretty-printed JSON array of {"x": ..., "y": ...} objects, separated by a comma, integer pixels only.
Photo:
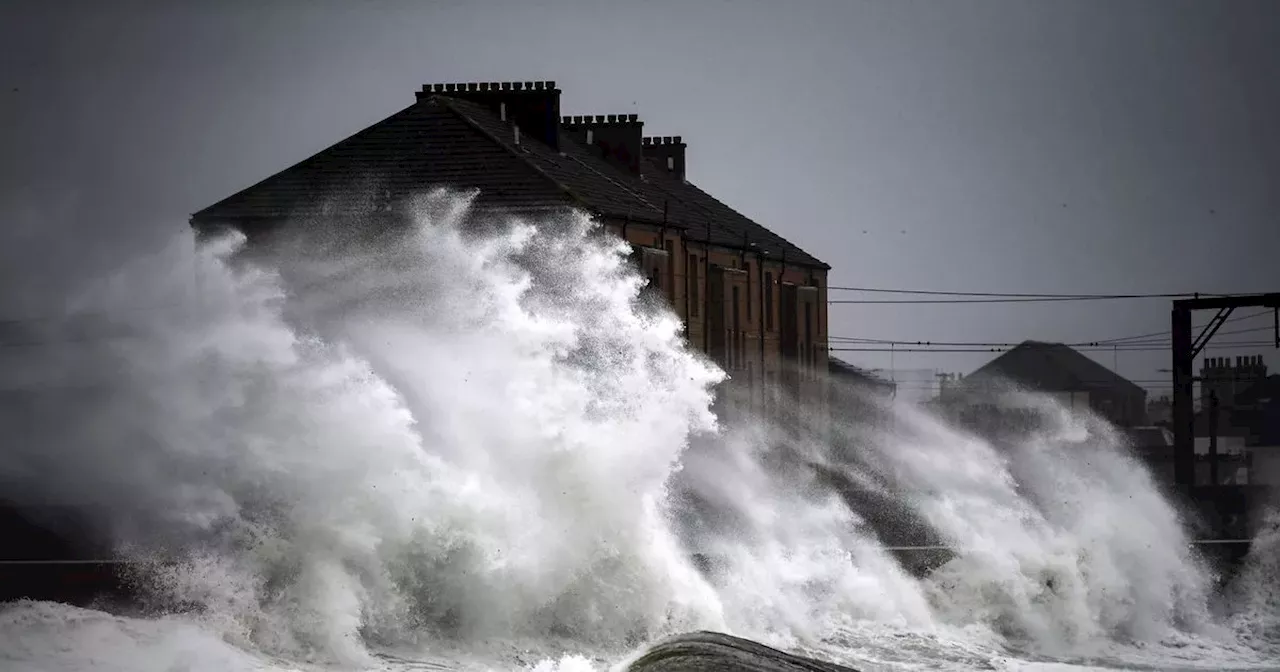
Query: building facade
[{"x": 752, "y": 301}]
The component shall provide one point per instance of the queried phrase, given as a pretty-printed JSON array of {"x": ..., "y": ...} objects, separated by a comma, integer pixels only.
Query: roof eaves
[
  {"x": 671, "y": 188},
  {"x": 821, "y": 264}
]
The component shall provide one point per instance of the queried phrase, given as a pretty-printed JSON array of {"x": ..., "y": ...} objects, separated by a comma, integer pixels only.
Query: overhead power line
[
  {"x": 874, "y": 347},
  {"x": 1121, "y": 344},
  {"x": 1166, "y": 332},
  {"x": 1025, "y": 299},
  {"x": 1022, "y": 295}
]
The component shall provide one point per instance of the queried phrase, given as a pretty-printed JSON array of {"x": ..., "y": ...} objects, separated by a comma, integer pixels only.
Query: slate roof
[
  {"x": 422, "y": 144},
  {"x": 839, "y": 368},
  {"x": 447, "y": 141},
  {"x": 1052, "y": 367}
]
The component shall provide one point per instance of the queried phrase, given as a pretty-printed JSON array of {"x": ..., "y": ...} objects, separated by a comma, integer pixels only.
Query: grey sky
[{"x": 979, "y": 146}]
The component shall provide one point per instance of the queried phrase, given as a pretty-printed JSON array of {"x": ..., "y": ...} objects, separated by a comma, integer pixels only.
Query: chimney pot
[
  {"x": 537, "y": 113},
  {"x": 550, "y": 84},
  {"x": 613, "y": 118},
  {"x": 599, "y": 119},
  {"x": 633, "y": 118},
  {"x": 668, "y": 150}
]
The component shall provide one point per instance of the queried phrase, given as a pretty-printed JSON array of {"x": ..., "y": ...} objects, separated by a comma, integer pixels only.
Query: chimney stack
[
  {"x": 534, "y": 107},
  {"x": 668, "y": 153},
  {"x": 615, "y": 137}
]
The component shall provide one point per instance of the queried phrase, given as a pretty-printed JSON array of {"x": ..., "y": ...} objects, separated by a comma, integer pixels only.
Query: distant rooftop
[{"x": 1051, "y": 367}]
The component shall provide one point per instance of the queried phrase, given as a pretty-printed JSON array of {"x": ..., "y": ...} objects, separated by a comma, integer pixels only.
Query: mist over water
[{"x": 470, "y": 434}]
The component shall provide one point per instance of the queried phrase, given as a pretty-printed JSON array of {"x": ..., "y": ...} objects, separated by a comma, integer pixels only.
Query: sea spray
[
  {"x": 252, "y": 432},
  {"x": 463, "y": 430},
  {"x": 1254, "y": 596},
  {"x": 1061, "y": 538},
  {"x": 791, "y": 562}
]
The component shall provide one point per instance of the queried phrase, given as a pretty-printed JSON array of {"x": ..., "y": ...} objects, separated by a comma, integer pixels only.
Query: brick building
[{"x": 750, "y": 299}]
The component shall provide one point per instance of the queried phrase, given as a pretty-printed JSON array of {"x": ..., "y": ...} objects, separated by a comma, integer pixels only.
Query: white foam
[
  {"x": 43, "y": 637},
  {"x": 454, "y": 438}
]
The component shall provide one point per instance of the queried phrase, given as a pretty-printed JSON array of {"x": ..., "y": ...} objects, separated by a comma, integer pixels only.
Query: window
[
  {"x": 748, "y": 292},
  {"x": 768, "y": 301},
  {"x": 736, "y": 355},
  {"x": 671, "y": 271},
  {"x": 808, "y": 329},
  {"x": 692, "y": 277}
]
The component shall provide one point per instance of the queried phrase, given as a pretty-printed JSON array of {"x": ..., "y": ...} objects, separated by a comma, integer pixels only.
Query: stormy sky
[{"x": 1031, "y": 146}]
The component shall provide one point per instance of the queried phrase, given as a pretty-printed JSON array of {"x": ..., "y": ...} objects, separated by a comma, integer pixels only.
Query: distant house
[
  {"x": 850, "y": 378},
  {"x": 1260, "y": 404},
  {"x": 1154, "y": 444},
  {"x": 750, "y": 299},
  {"x": 1246, "y": 398},
  {"x": 1055, "y": 370},
  {"x": 1248, "y": 413}
]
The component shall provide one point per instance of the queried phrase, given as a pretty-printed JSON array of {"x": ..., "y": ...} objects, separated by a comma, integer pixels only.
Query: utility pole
[
  {"x": 1185, "y": 351},
  {"x": 1213, "y": 438}
]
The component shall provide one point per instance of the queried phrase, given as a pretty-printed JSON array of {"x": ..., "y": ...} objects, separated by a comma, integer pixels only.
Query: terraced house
[{"x": 751, "y": 300}]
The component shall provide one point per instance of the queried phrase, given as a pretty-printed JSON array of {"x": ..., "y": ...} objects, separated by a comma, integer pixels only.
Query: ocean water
[{"x": 472, "y": 443}]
